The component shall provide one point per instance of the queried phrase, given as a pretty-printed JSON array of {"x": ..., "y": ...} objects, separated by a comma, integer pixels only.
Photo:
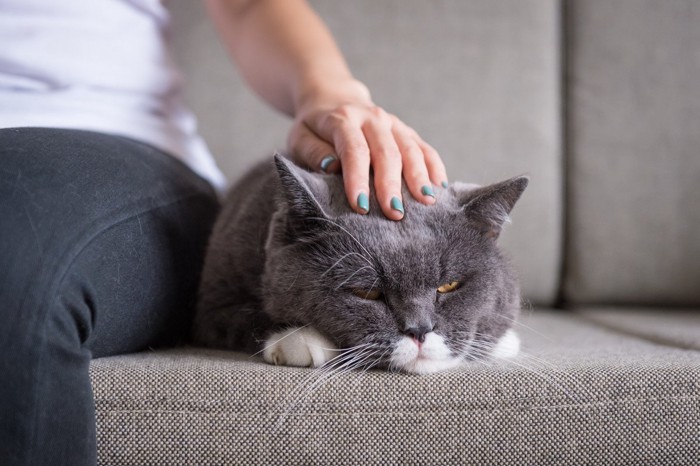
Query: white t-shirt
[{"x": 100, "y": 65}]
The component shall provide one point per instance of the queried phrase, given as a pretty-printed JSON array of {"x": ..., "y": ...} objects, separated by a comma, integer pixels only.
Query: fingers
[
  {"x": 354, "y": 154},
  {"x": 415, "y": 171},
  {"x": 396, "y": 152},
  {"x": 434, "y": 164},
  {"x": 308, "y": 150},
  {"x": 364, "y": 137},
  {"x": 387, "y": 164}
]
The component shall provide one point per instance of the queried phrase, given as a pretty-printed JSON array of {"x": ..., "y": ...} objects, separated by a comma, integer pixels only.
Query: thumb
[{"x": 309, "y": 150}]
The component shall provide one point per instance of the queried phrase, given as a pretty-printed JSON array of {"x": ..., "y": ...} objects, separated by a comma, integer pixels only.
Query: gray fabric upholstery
[
  {"x": 478, "y": 79},
  {"x": 634, "y": 159},
  {"x": 580, "y": 393},
  {"x": 672, "y": 327}
]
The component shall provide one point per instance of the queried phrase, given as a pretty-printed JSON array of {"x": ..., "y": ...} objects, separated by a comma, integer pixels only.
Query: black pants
[{"x": 101, "y": 243}]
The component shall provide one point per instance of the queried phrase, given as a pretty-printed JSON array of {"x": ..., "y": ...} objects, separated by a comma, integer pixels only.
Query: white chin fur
[
  {"x": 299, "y": 346},
  {"x": 433, "y": 356},
  {"x": 508, "y": 346}
]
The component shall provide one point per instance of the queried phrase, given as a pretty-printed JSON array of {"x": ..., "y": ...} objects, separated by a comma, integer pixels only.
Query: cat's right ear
[
  {"x": 487, "y": 207},
  {"x": 304, "y": 192}
]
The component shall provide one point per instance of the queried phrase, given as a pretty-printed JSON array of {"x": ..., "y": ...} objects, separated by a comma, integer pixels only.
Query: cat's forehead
[
  {"x": 428, "y": 228},
  {"x": 422, "y": 227}
]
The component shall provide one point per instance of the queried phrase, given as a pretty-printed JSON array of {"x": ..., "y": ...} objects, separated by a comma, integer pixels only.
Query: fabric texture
[
  {"x": 580, "y": 393},
  {"x": 634, "y": 163},
  {"x": 101, "y": 241},
  {"x": 477, "y": 79}
]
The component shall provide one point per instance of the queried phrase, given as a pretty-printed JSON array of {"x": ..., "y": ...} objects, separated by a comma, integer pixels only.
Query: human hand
[{"x": 342, "y": 128}]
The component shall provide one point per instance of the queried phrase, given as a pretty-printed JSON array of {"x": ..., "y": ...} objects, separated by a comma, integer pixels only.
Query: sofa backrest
[
  {"x": 633, "y": 139},
  {"x": 611, "y": 130},
  {"x": 478, "y": 79}
]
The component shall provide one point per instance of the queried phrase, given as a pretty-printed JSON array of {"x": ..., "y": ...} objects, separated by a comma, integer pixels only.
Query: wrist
[{"x": 330, "y": 91}]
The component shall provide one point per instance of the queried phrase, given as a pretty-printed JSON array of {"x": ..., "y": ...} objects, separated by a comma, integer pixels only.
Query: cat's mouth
[{"x": 432, "y": 355}]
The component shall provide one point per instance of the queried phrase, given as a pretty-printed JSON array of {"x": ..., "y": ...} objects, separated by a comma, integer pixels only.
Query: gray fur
[{"x": 287, "y": 251}]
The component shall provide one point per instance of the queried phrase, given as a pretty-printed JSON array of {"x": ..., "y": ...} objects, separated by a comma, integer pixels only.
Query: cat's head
[{"x": 418, "y": 295}]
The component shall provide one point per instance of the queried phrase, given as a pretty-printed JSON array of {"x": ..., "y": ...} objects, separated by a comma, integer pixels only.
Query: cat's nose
[{"x": 418, "y": 332}]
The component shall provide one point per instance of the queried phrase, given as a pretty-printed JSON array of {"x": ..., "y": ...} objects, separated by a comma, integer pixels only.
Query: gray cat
[{"x": 291, "y": 271}]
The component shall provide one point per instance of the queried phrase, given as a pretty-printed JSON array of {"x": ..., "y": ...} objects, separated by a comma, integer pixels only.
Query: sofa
[{"x": 599, "y": 102}]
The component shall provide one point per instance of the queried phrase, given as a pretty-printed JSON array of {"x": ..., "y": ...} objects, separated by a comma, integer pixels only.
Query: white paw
[
  {"x": 508, "y": 346},
  {"x": 299, "y": 346}
]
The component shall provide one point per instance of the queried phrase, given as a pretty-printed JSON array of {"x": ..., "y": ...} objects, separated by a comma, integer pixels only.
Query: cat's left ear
[
  {"x": 488, "y": 207},
  {"x": 304, "y": 192}
]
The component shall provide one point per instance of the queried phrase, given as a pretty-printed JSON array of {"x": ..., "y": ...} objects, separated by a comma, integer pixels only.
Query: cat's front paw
[
  {"x": 299, "y": 346},
  {"x": 508, "y": 346}
]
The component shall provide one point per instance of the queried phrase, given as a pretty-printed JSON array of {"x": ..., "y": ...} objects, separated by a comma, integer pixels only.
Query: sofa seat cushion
[
  {"x": 579, "y": 393},
  {"x": 668, "y": 326}
]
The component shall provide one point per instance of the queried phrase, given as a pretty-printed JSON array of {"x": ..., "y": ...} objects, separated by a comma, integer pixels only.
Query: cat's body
[{"x": 291, "y": 270}]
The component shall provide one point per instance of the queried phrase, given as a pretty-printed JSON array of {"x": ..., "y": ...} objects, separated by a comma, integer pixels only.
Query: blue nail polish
[
  {"x": 427, "y": 191},
  {"x": 396, "y": 204},
  {"x": 444, "y": 184},
  {"x": 363, "y": 202},
  {"x": 327, "y": 160}
]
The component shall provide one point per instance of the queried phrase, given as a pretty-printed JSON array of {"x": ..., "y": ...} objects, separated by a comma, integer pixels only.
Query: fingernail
[
  {"x": 363, "y": 202},
  {"x": 327, "y": 160},
  {"x": 427, "y": 191},
  {"x": 396, "y": 204},
  {"x": 444, "y": 184}
]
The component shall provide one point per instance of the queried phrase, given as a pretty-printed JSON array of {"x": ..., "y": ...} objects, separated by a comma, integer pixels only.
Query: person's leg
[{"x": 101, "y": 242}]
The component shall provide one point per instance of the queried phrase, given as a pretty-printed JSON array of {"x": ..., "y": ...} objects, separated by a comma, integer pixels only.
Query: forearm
[
  {"x": 284, "y": 52},
  {"x": 288, "y": 56}
]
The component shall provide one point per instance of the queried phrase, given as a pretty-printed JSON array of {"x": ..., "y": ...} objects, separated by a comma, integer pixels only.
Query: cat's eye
[
  {"x": 367, "y": 294},
  {"x": 447, "y": 287}
]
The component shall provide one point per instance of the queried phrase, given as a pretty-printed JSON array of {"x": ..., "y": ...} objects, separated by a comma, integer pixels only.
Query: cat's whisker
[
  {"x": 293, "y": 283},
  {"x": 484, "y": 349},
  {"x": 472, "y": 356},
  {"x": 378, "y": 360},
  {"x": 373, "y": 283},
  {"x": 521, "y": 354},
  {"x": 356, "y": 358},
  {"x": 348, "y": 233},
  {"x": 480, "y": 352},
  {"x": 336, "y": 371},
  {"x": 349, "y": 365},
  {"x": 322, "y": 375},
  {"x": 548, "y": 379},
  {"x": 556, "y": 371},
  {"x": 479, "y": 339},
  {"x": 342, "y": 359},
  {"x": 363, "y": 372},
  {"x": 340, "y": 260},
  {"x": 342, "y": 350},
  {"x": 531, "y": 357},
  {"x": 351, "y": 355},
  {"x": 309, "y": 384},
  {"x": 519, "y": 322},
  {"x": 473, "y": 349},
  {"x": 352, "y": 275}
]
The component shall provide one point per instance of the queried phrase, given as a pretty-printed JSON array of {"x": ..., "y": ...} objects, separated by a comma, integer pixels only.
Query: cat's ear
[
  {"x": 487, "y": 207},
  {"x": 304, "y": 193}
]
